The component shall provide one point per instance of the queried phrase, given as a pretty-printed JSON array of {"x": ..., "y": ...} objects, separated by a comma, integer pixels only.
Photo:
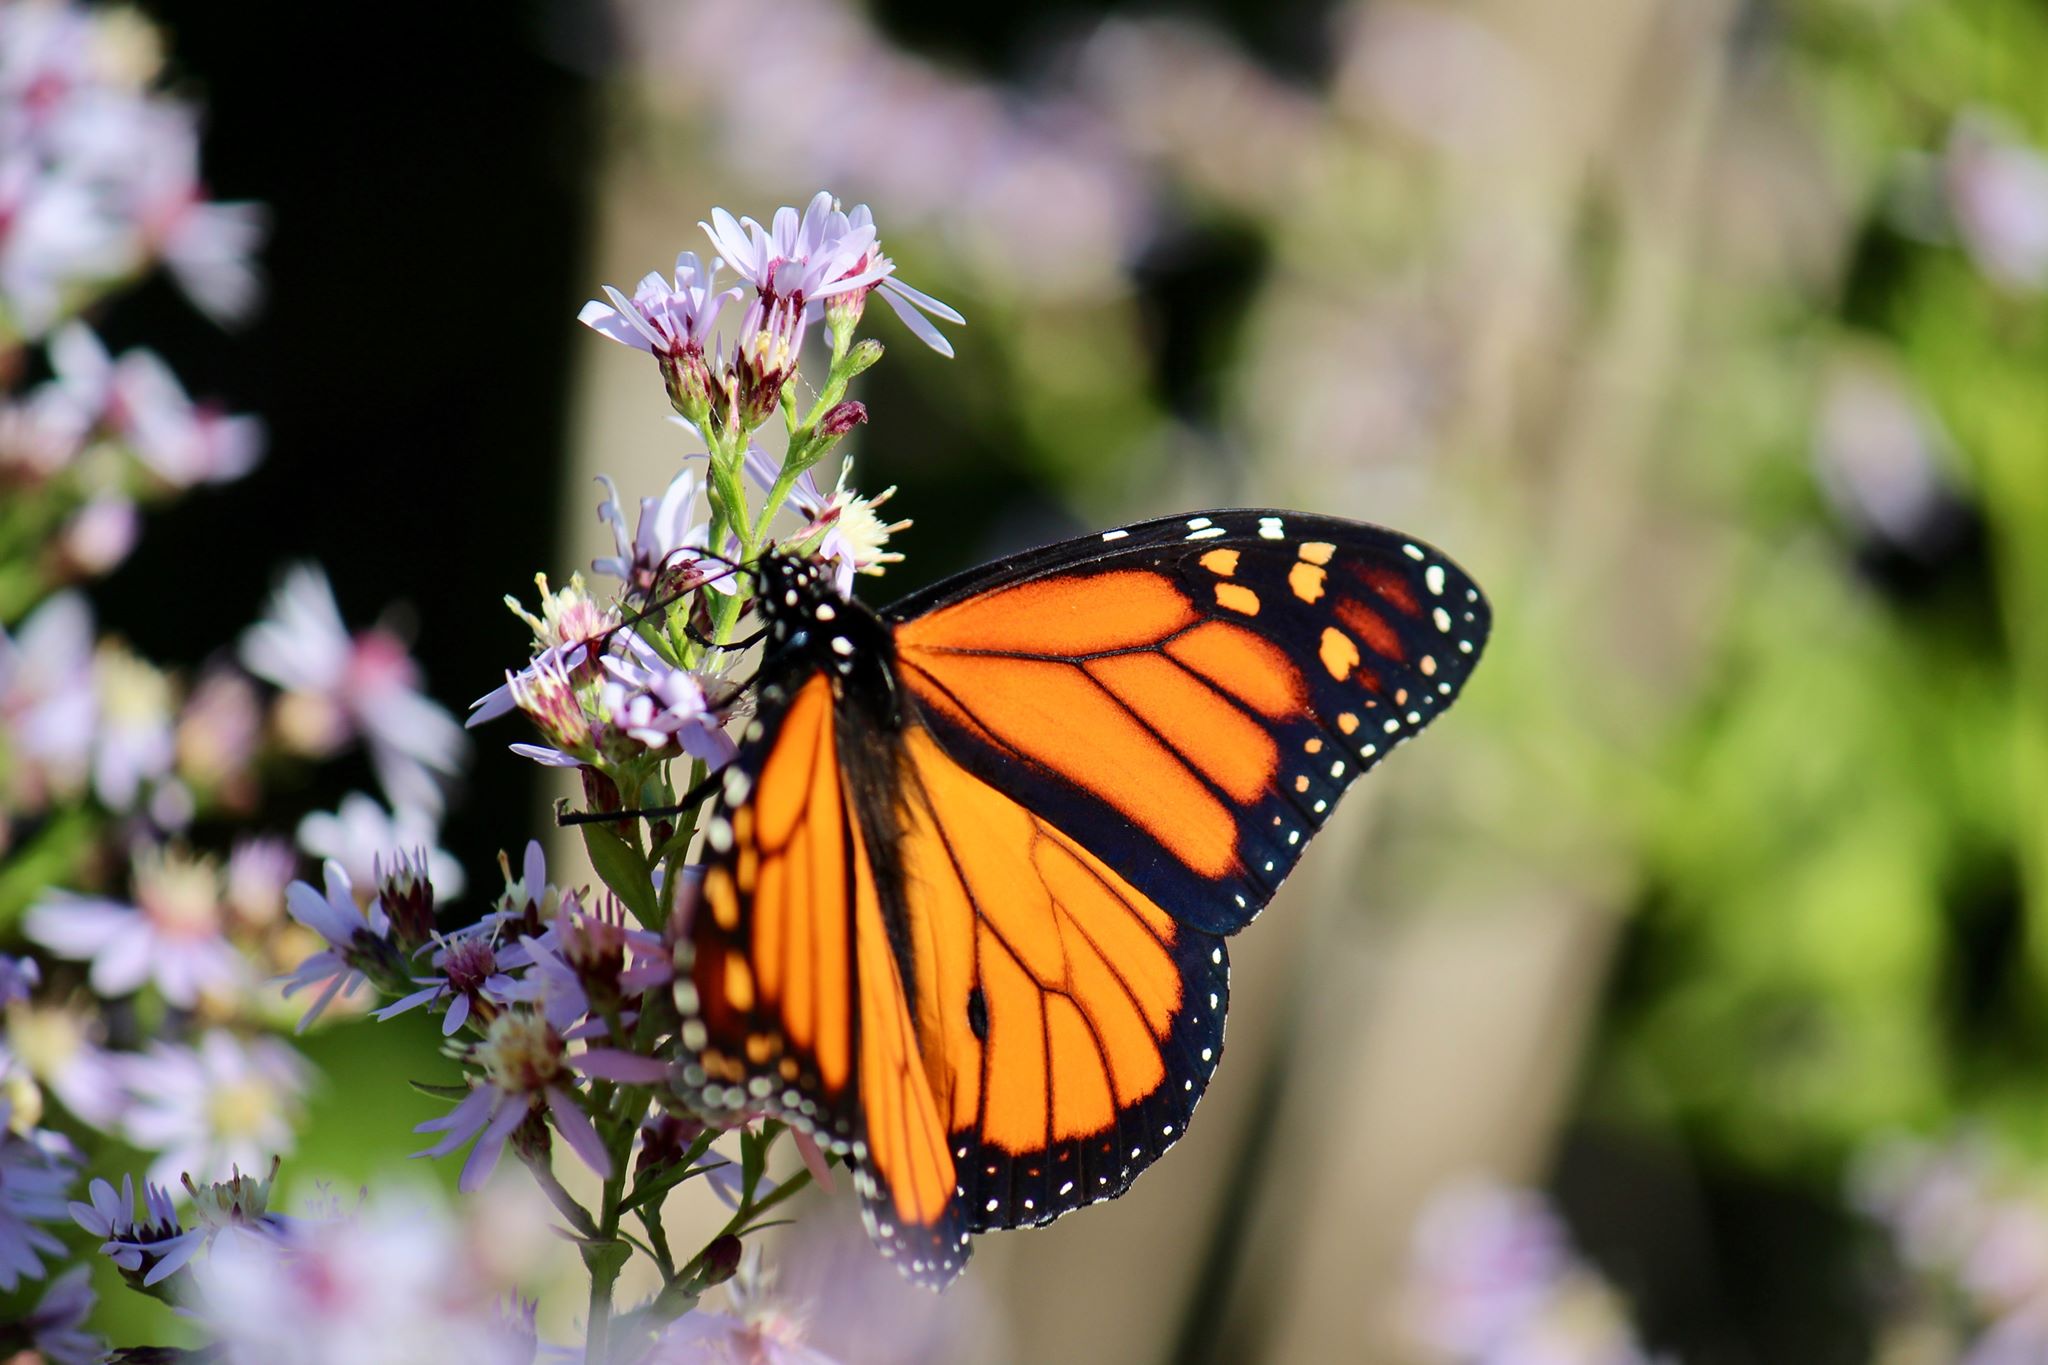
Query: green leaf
[
  {"x": 443, "y": 1092},
  {"x": 625, "y": 872}
]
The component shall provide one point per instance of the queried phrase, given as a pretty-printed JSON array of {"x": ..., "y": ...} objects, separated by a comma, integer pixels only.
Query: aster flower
[
  {"x": 339, "y": 685},
  {"x": 395, "y": 1279},
  {"x": 170, "y": 937},
  {"x": 547, "y": 694},
  {"x": 33, "y": 1179},
  {"x": 826, "y": 255},
  {"x": 667, "y": 524},
  {"x": 652, "y": 702},
  {"x": 225, "y": 1104},
  {"x": 570, "y": 621},
  {"x": 470, "y": 969},
  {"x": 664, "y": 319},
  {"x": 769, "y": 348},
  {"x": 353, "y": 935},
  {"x": 152, "y": 1247},
  {"x": 361, "y": 835},
  {"x": 849, "y": 534},
  {"x": 55, "y": 1327},
  {"x": 525, "y": 1070}
]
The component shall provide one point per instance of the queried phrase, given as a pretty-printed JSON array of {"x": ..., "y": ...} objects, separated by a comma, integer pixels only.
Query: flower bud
[
  {"x": 664, "y": 1139},
  {"x": 843, "y": 418},
  {"x": 689, "y": 383},
  {"x": 722, "y": 1259},
  {"x": 862, "y": 357},
  {"x": 408, "y": 899}
]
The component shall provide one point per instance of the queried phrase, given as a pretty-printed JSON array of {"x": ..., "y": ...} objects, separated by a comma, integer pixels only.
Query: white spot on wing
[
  {"x": 1434, "y": 577},
  {"x": 1270, "y": 528},
  {"x": 1206, "y": 533},
  {"x": 1197, "y": 523},
  {"x": 1413, "y": 552},
  {"x": 1114, "y": 535}
]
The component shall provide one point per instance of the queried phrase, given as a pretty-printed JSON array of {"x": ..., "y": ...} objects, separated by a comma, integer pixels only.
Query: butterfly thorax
[{"x": 812, "y": 629}]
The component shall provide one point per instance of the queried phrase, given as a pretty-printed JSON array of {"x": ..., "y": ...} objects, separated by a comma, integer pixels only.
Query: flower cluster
[
  {"x": 144, "y": 911},
  {"x": 99, "y": 173},
  {"x": 1493, "y": 1280},
  {"x": 163, "y": 942}
]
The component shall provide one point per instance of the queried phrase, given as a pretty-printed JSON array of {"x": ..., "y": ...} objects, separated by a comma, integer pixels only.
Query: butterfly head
[{"x": 810, "y": 626}]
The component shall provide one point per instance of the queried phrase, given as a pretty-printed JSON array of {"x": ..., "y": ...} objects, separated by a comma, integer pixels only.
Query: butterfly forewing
[{"x": 1189, "y": 697}]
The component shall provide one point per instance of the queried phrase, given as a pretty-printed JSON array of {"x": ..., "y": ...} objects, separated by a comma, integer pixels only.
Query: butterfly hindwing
[
  {"x": 1069, "y": 1024},
  {"x": 1189, "y": 697}
]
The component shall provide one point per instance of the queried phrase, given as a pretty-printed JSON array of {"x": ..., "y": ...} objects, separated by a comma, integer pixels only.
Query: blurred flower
[
  {"x": 652, "y": 702},
  {"x": 761, "y": 1329},
  {"x": 183, "y": 443},
  {"x": 59, "y": 1045},
  {"x": 343, "y": 684},
  {"x": 349, "y": 930},
  {"x": 99, "y": 177},
  {"x": 208, "y": 247},
  {"x": 219, "y": 730},
  {"x": 524, "y": 1070},
  {"x": 33, "y": 1179},
  {"x": 395, "y": 1281},
  {"x": 667, "y": 524},
  {"x": 170, "y": 937},
  {"x": 1493, "y": 1282},
  {"x": 98, "y": 536},
  {"x": 48, "y": 703},
  {"x": 227, "y": 1103},
  {"x": 1998, "y": 198},
  {"x": 259, "y": 869},
  {"x": 55, "y": 235},
  {"x": 19, "y": 977},
  {"x": 135, "y": 744},
  {"x": 55, "y": 1327},
  {"x": 1022, "y": 189},
  {"x": 1882, "y": 458},
  {"x": 361, "y": 835},
  {"x": 153, "y": 1246}
]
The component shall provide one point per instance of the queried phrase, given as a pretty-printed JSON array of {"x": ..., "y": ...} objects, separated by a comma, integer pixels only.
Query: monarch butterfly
[{"x": 968, "y": 880}]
